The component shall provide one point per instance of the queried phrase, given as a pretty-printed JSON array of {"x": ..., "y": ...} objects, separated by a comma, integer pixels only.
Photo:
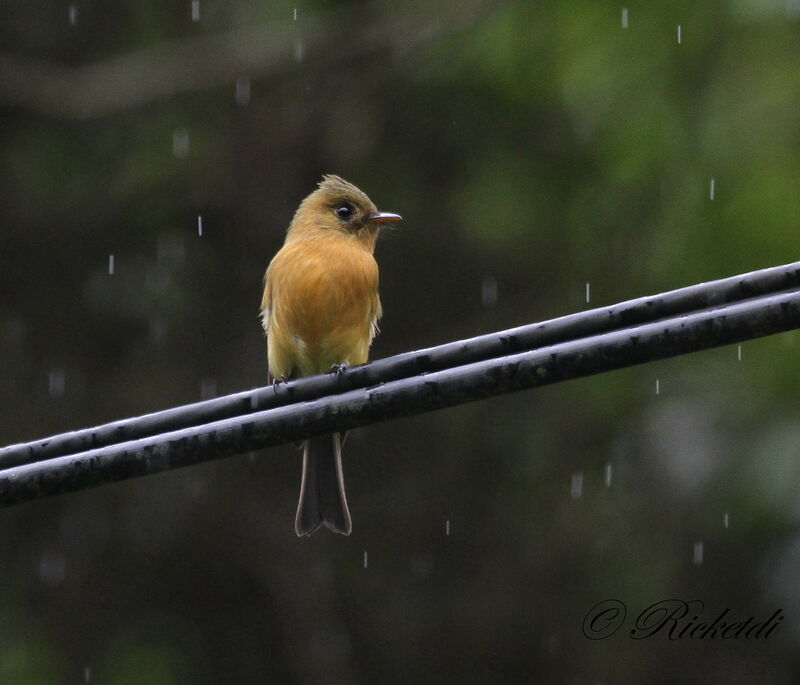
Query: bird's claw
[
  {"x": 277, "y": 381},
  {"x": 339, "y": 368}
]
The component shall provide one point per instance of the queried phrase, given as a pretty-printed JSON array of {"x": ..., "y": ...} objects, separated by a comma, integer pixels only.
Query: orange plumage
[{"x": 320, "y": 310}]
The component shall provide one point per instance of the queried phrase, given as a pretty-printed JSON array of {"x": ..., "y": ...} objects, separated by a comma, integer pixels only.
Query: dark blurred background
[{"x": 532, "y": 148}]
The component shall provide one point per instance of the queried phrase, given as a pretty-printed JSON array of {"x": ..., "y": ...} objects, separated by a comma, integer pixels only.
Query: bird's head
[{"x": 337, "y": 205}]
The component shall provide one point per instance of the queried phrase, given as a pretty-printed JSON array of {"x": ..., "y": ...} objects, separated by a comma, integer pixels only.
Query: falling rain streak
[
  {"x": 242, "y": 91},
  {"x": 489, "y": 291},
  {"x": 679, "y": 34},
  {"x": 56, "y": 383},
  {"x": 658, "y": 386},
  {"x": 299, "y": 51},
  {"x": 52, "y": 568},
  {"x": 365, "y": 559},
  {"x": 87, "y": 674},
  {"x": 295, "y": 14},
  {"x": 195, "y": 10},
  {"x": 180, "y": 143},
  {"x": 200, "y": 225},
  {"x": 73, "y": 15},
  {"x": 157, "y": 329},
  {"x": 739, "y": 352},
  {"x": 725, "y": 520},
  {"x": 697, "y": 555},
  {"x": 576, "y": 485},
  {"x": 711, "y": 184},
  {"x": 608, "y": 475},
  {"x": 624, "y": 17},
  {"x": 111, "y": 265},
  {"x": 208, "y": 388},
  {"x": 447, "y": 527},
  {"x": 588, "y": 292}
]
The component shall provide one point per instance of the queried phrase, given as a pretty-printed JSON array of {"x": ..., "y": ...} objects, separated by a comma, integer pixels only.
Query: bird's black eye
[{"x": 344, "y": 211}]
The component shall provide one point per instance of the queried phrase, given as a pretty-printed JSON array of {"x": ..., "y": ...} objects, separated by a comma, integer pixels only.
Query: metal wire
[
  {"x": 698, "y": 330},
  {"x": 512, "y": 341}
]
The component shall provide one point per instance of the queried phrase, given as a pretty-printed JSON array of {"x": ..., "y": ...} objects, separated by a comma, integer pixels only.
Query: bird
[{"x": 320, "y": 310}]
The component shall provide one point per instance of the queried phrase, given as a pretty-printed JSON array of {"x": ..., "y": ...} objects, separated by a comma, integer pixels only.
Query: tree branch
[{"x": 201, "y": 62}]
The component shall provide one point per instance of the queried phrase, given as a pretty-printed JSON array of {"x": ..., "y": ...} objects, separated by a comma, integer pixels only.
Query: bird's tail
[{"x": 322, "y": 498}]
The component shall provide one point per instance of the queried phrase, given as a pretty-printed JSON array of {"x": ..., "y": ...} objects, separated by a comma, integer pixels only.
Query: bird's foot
[
  {"x": 277, "y": 381},
  {"x": 339, "y": 368}
]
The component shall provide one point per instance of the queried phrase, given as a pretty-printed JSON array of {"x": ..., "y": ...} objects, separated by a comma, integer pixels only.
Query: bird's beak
[{"x": 383, "y": 217}]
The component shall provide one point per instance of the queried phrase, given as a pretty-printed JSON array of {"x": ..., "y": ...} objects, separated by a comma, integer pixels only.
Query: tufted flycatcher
[{"x": 320, "y": 311}]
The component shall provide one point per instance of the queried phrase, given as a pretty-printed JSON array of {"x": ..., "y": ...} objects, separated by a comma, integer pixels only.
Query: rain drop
[
  {"x": 73, "y": 15},
  {"x": 576, "y": 485},
  {"x": 180, "y": 143},
  {"x": 295, "y": 14},
  {"x": 739, "y": 352},
  {"x": 624, "y": 17},
  {"x": 195, "y": 10},
  {"x": 158, "y": 330},
  {"x": 608, "y": 475},
  {"x": 658, "y": 386},
  {"x": 52, "y": 568},
  {"x": 200, "y": 225},
  {"x": 56, "y": 383},
  {"x": 87, "y": 674},
  {"x": 726, "y": 519},
  {"x": 711, "y": 185},
  {"x": 447, "y": 527},
  {"x": 111, "y": 265},
  {"x": 697, "y": 555},
  {"x": 679, "y": 34},
  {"x": 489, "y": 291},
  {"x": 365, "y": 559},
  {"x": 208, "y": 388},
  {"x": 242, "y": 91},
  {"x": 299, "y": 51},
  {"x": 588, "y": 292}
]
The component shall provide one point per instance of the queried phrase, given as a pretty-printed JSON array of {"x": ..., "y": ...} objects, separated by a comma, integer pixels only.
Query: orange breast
[{"x": 323, "y": 305}]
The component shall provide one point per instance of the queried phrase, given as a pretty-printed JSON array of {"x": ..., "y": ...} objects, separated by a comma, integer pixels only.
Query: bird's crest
[{"x": 338, "y": 187}]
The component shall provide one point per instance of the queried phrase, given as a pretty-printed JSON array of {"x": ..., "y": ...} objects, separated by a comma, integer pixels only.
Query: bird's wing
[
  {"x": 375, "y": 314},
  {"x": 266, "y": 302}
]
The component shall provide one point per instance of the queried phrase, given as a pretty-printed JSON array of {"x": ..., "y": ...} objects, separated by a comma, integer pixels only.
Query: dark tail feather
[{"x": 322, "y": 499}]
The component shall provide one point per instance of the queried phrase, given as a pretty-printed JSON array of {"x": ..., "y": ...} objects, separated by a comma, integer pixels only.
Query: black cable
[
  {"x": 692, "y": 332},
  {"x": 532, "y": 336}
]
